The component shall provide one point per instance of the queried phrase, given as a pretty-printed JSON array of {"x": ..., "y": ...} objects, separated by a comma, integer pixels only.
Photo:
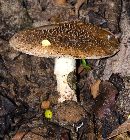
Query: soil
[{"x": 27, "y": 81}]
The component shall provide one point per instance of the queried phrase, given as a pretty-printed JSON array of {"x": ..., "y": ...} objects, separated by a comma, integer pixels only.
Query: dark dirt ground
[{"x": 26, "y": 81}]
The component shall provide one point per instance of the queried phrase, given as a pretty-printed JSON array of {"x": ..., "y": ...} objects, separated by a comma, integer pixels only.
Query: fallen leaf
[
  {"x": 19, "y": 135},
  {"x": 60, "y": 2},
  {"x": 78, "y": 5},
  {"x": 125, "y": 127},
  {"x": 95, "y": 88},
  {"x": 45, "y": 104},
  {"x": 80, "y": 69},
  {"x": 105, "y": 101}
]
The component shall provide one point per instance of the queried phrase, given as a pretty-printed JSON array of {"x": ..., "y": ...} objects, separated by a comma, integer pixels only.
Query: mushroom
[
  {"x": 66, "y": 42},
  {"x": 68, "y": 113}
]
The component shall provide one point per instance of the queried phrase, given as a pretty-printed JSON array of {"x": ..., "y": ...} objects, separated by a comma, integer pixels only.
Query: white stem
[{"x": 63, "y": 67}]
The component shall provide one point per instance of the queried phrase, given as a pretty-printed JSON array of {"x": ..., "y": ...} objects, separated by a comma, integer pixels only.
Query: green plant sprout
[
  {"x": 48, "y": 114},
  {"x": 85, "y": 65}
]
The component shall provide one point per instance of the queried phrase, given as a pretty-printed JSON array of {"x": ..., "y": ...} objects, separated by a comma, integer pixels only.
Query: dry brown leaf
[
  {"x": 45, "y": 104},
  {"x": 91, "y": 136},
  {"x": 19, "y": 135},
  {"x": 80, "y": 69},
  {"x": 60, "y": 2},
  {"x": 123, "y": 136},
  {"x": 95, "y": 88},
  {"x": 78, "y": 5},
  {"x": 125, "y": 127}
]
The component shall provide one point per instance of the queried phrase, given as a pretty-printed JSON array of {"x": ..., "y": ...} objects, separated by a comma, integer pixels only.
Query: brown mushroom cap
[
  {"x": 68, "y": 113},
  {"x": 72, "y": 39}
]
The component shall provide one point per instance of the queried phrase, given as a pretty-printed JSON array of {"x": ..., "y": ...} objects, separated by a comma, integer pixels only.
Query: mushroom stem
[{"x": 65, "y": 73}]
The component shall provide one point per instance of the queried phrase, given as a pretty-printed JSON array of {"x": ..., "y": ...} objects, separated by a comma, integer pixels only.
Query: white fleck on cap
[{"x": 72, "y": 39}]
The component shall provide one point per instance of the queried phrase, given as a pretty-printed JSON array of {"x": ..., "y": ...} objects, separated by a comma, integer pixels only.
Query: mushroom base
[{"x": 63, "y": 67}]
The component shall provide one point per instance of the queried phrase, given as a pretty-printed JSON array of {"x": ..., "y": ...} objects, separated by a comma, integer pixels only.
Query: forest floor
[{"x": 28, "y": 83}]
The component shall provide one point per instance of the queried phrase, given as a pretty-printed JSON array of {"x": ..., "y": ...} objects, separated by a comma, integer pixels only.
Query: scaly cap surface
[{"x": 72, "y": 39}]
